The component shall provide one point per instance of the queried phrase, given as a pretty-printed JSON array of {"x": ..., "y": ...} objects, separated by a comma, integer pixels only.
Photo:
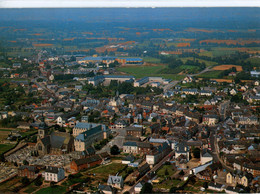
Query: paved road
[
  {"x": 223, "y": 109},
  {"x": 170, "y": 85},
  {"x": 203, "y": 71},
  {"x": 156, "y": 167},
  {"x": 215, "y": 151}
]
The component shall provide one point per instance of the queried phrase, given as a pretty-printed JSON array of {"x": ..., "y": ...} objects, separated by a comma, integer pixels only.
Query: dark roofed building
[
  {"x": 27, "y": 171},
  {"x": 56, "y": 143},
  {"x": 85, "y": 163}
]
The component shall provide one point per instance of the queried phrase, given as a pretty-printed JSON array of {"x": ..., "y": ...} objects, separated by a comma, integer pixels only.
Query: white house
[
  {"x": 215, "y": 187},
  {"x": 115, "y": 181},
  {"x": 54, "y": 174},
  {"x": 205, "y": 157}
]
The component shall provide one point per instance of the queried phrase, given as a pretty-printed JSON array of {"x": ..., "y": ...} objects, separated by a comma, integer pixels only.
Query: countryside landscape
[{"x": 130, "y": 100}]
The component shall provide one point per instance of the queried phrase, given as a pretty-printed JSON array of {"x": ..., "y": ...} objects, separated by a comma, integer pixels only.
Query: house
[
  {"x": 215, "y": 187},
  {"x": 187, "y": 79},
  {"x": 233, "y": 92},
  {"x": 135, "y": 131},
  {"x": 139, "y": 187},
  {"x": 205, "y": 157},
  {"x": 106, "y": 189},
  {"x": 233, "y": 190},
  {"x": 210, "y": 119},
  {"x": 85, "y": 163},
  {"x": 242, "y": 178},
  {"x": 115, "y": 181},
  {"x": 182, "y": 149},
  {"x": 205, "y": 93},
  {"x": 54, "y": 174},
  {"x": 27, "y": 171},
  {"x": 128, "y": 159}
]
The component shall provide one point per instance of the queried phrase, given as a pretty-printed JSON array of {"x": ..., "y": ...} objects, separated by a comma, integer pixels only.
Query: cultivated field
[{"x": 226, "y": 67}]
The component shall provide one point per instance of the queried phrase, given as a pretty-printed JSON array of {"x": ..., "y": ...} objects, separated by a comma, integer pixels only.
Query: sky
[{"x": 126, "y": 3}]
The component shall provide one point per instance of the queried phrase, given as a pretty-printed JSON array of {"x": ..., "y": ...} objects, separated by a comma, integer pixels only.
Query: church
[{"x": 55, "y": 143}]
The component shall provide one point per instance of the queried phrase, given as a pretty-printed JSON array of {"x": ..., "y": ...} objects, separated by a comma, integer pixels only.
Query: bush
[
  {"x": 52, "y": 184},
  {"x": 114, "y": 150},
  {"x": 38, "y": 182},
  {"x": 25, "y": 180}
]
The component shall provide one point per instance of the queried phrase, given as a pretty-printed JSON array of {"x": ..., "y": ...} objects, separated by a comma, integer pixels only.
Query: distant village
[{"x": 164, "y": 134}]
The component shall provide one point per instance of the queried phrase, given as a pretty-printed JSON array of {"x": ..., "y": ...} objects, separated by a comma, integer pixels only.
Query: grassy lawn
[
  {"x": 167, "y": 184},
  {"x": 151, "y": 60},
  {"x": 106, "y": 170},
  {"x": 161, "y": 172},
  {"x": 31, "y": 188},
  {"x": 5, "y": 147},
  {"x": 210, "y": 74},
  {"x": 55, "y": 190}
]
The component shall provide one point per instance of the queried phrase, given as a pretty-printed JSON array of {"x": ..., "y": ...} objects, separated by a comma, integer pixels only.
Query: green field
[
  {"x": 55, "y": 190},
  {"x": 151, "y": 60},
  {"x": 210, "y": 74},
  {"x": 144, "y": 71},
  {"x": 255, "y": 61},
  {"x": 5, "y": 147},
  {"x": 106, "y": 170},
  {"x": 208, "y": 63}
]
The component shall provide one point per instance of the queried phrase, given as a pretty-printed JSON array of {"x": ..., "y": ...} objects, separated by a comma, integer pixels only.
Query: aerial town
[{"x": 122, "y": 119}]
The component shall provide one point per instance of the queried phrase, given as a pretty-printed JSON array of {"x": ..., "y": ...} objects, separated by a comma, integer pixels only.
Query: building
[
  {"x": 210, "y": 119},
  {"x": 27, "y": 171},
  {"x": 255, "y": 74},
  {"x": 155, "y": 80},
  {"x": 90, "y": 136},
  {"x": 215, "y": 187},
  {"x": 56, "y": 143},
  {"x": 130, "y": 61},
  {"x": 54, "y": 174},
  {"x": 242, "y": 178},
  {"x": 205, "y": 157},
  {"x": 82, "y": 127},
  {"x": 182, "y": 149},
  {"x": 108, "y": 78},
  {"x": 134, "y": 131},
  {"x": 115, "y": 181},
  {"x": 85, "y": 163}
]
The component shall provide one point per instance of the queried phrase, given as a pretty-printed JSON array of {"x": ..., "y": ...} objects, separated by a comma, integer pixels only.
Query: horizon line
[{"x": 126, "y": 3}]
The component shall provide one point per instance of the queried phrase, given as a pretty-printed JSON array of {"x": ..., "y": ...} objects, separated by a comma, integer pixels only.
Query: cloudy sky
[{"x": 127, "y": 3}]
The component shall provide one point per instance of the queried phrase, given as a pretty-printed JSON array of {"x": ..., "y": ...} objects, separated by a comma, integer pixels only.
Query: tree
[
  {"x": 25, "y": 162},
  {"x": 25, "y": 180},
  {"x": 15, "y": 164},
  {"x": 2, "y": 158},
  {"x": 166, "y": 173},
  {"x": 196, "y": 152},
  {"x": 205, "y": 185},
  {"x": 114, "y": 150},
  {"x": 52, "y": 184},
  {"x": 38, "y": 182},
  {"x": 147, "y": 188},
  {"x": 173, "y": 189},
  {"x": 181, "y": 173}
]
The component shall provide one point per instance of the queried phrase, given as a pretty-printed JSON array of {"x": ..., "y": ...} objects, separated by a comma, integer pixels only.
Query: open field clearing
[
  {"x": 144, "y": 71},
  {"x": 226, "y": 67},
  {"x": 208, "y": 63},
  {"x": 210, "y": 74},
  {"x": 42, "y": 45}
]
